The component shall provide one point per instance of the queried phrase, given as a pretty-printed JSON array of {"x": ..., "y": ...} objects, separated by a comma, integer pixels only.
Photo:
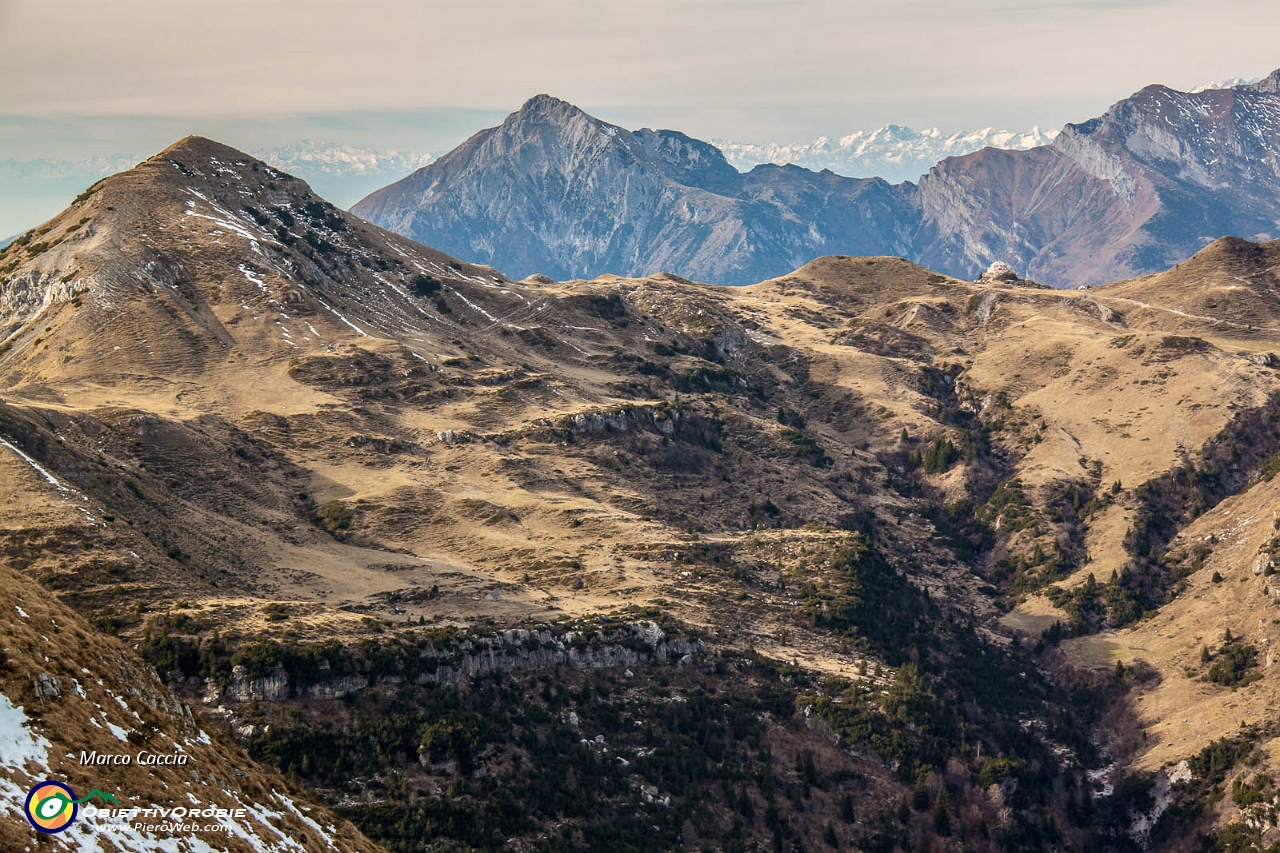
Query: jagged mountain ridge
[
  {"x": 1155, "y": 179},
  {"x": 553, "y": 190}
]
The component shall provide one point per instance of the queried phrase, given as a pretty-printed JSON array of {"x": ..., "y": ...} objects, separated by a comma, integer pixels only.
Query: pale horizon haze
[{"x": 85, "y": 80}]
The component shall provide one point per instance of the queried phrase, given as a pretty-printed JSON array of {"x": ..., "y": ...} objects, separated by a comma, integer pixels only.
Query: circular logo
[{"x": 51, "y": 807}]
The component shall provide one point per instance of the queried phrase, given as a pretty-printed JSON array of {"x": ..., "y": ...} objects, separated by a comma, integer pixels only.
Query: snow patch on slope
[{"x": 18, "y": 745}]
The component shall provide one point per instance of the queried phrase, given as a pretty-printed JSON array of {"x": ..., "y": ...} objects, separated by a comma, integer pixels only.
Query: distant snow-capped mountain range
[
  {"x": 554, "y": 190},
  {"x": 303, "y": 158},
  {"x": 1229, "y": 83},
  {"x": 893, "y": 152},
  {"x": 311, "y": 157}
]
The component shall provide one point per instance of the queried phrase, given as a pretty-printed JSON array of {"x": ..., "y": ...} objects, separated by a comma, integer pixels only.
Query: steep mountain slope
[
  {"x": 627, "y": 561},
  {"x": 1156, "y": 178},
  {"x": 67, "y": 690},
  {"x": 553, "y": 190}
]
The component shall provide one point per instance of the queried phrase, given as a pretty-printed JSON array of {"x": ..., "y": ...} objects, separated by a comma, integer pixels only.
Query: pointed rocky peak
[
  {"x": 192, "y": 168},
  {"x": 1153, "y": 100},
  {"x": 203, "y": 251},
  {"x": 546, "y": 131},
  {"x": 1153, "y": 104},
  {"x": 545, "y": 110},
  {"x": 195, "y": 158},
  {"x": 546, "y": 105}
]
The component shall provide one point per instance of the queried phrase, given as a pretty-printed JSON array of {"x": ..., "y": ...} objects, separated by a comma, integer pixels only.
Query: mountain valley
[{"x": 858, "y": 555}]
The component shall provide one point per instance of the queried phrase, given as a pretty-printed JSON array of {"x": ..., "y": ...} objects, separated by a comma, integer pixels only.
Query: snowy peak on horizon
[
  {"x": 1229, "y": 83},
  {"x": 304, "y": 157},
  {"x": 892, "y": 152},
  {"x": 309, "y": 157}
]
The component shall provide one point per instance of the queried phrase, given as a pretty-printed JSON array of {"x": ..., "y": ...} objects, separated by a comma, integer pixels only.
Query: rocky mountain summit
[{"x": 555, "y": 191}]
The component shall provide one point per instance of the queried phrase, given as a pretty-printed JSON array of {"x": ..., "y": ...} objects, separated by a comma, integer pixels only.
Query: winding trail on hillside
[{"x": 1180, "y": 313}]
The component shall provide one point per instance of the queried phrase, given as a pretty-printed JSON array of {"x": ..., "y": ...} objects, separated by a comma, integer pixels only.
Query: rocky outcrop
[
  {"x": 272, "y": 688},
  {"x": 591, "y": 656},
  {"x": 665, "y": 420},
  {"x": 998, "y": 272},
  {"x": 26, "y": 295},
  {"x": 512, "y": 651},
  {"x": 336, "y": 688}
]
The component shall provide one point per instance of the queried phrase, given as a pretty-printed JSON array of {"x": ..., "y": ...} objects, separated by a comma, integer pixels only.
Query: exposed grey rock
[
  {"x": 452, "y": 437},
  {"x": 997, "y": 272},
  {"x": 1155, "y": 179},
  {"x": 47, "y": 687},
  {"x": 271, "y": 688},
  {"x": 553, "y": 190},
  {"x": 557, "y": 192},
  {"x": 337, "y": 687},
  {"x": 511, "y": 651},
  {"x": 986, "y": 304}
]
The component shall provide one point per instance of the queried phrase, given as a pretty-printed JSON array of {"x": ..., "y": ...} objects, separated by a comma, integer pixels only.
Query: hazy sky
[
  {"x": 756, "y": 68},
  {"x": 129, "y": 76}
]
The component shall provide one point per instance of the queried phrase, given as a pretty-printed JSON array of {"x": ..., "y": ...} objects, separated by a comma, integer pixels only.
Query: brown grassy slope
[
  {"x": 539, "y": 448},
  {"x": 488, "y": 435}
]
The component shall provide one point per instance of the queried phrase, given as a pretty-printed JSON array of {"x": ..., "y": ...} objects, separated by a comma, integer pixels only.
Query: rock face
[
  {"x": 553, "y": 190},
  {"x": 1158, "y": 177},
  {"x": 511, "y": 651}
]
